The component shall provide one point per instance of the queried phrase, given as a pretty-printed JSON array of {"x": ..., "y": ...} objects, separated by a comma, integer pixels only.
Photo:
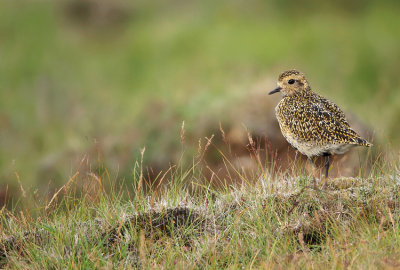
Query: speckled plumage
[{"x": 311, "y": 123}]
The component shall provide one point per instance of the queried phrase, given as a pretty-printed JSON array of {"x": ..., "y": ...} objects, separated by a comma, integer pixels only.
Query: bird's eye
[{"x": 291, "y": 81}]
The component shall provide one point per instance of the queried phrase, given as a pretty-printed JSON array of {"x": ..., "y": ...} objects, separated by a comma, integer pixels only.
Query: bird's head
[{"x": 291, "y": 82}]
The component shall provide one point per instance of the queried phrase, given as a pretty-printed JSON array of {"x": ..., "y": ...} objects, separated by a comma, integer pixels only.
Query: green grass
[{"x": 280, "y": 221}]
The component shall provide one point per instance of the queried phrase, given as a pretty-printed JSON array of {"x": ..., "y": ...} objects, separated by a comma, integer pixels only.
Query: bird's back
[{"x": 315, "y": 125}]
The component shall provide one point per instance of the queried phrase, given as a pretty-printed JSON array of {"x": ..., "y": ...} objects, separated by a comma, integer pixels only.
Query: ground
[{"x": 281, "y": 221}]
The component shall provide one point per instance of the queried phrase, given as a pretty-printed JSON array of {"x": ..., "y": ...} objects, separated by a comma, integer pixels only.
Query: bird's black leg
[
  {"x": 310, "y": 159},
  {"x": 326, "y": 155}
]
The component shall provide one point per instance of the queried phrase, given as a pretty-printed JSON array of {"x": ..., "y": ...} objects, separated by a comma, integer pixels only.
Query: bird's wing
[
  {"x": 331, "y": 119},
  {"x": 336, "y": 112},
  {"x": 301, "y": 120}
]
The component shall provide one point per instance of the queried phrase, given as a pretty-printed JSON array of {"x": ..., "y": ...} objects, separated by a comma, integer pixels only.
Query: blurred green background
[{"x": 105, "y": 78}]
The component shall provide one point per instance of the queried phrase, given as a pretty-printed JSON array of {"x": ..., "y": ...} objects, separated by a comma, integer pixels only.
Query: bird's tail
[{"x": 362, "y": 142}]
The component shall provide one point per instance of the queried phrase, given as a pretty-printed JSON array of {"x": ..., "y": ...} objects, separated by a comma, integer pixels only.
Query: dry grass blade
[{"x": 64, "y": 187}]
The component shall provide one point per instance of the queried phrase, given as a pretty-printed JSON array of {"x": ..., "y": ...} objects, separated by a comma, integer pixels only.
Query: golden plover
[{"x": 312, "y": 124}]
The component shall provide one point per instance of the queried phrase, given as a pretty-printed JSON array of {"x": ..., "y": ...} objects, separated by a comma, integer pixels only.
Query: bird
[{"x": 312, "y": 124}]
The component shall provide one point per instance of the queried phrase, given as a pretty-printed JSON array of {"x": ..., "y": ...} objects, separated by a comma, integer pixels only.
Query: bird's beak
[{"x": 276, "y": 90}]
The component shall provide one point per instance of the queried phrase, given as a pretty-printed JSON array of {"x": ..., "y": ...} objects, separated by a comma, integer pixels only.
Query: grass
[{"x": 279, "y": 221}]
